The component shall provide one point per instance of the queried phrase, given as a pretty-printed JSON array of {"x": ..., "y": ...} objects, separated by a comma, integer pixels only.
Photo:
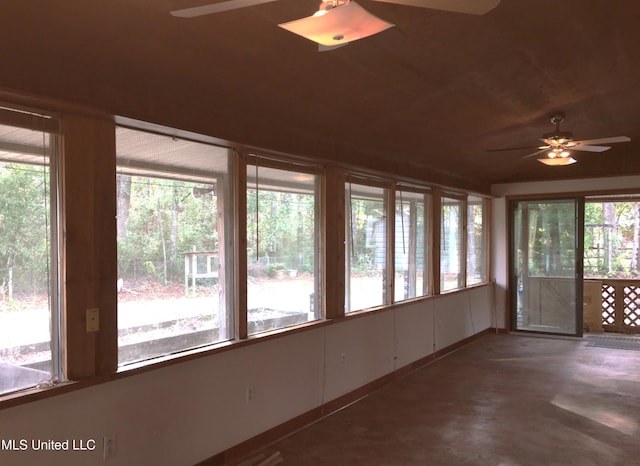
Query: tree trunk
[
  {"x": 123, "y": 199},
  {"x": 164, "y": 243},
  {"x": 173, "y": 236},
  {"x": 609, "y": 225}
]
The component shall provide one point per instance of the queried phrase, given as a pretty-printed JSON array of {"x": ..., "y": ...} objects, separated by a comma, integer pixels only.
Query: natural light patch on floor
[{"x": 599, "y": 414}]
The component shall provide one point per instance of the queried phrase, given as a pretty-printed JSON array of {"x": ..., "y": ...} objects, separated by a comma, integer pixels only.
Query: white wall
[
  {"x": 499, "y": 258},
  {"x": 187, "y": 412},
  {"x": 590, "y": 185}
]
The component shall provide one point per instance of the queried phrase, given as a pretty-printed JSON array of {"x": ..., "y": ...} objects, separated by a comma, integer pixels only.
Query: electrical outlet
[
  {"x": 343, "y": 359},
  {"x": 109, "y": 447},
  {"x": 249, "y": 394},
  {"x": 93, "y": 319}
]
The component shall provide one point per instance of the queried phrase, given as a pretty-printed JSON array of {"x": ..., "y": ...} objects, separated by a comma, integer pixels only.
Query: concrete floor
[{"x": 502, "y": 400}]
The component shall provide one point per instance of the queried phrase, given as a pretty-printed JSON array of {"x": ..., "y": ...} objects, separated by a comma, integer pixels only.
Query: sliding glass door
[{"x": 546, "y": 265}]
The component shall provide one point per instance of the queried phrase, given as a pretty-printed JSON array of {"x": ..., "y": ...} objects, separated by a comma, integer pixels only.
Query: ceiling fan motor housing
[{"x": 559, "y": 137}]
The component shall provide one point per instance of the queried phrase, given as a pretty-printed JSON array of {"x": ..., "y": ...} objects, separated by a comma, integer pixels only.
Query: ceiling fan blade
[
  {"x": 535, "y": 153},
  {"x": 216, "y": 8},
  {"x": 589, "y": 148},
  {"x": 610, "y": 140},
  {"x": 514, "y": 148},
  {"x": 472, "y": 7}
]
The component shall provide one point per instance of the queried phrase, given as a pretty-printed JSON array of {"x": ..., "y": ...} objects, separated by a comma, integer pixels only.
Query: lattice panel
[
  {"x": 632, "y": 306},
  {"x": 608, "y": 304}
]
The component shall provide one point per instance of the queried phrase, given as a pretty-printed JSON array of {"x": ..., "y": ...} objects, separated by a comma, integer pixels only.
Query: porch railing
[{"x": 618, "y": 303}]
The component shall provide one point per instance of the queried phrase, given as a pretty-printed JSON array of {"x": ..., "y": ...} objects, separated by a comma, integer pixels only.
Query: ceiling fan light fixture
[
  {"x": 559, "y": 144},
  {"x": 337, "y": 25},
  {"x": 557, "y": 161},
  {"x": 558, "y": 152}
]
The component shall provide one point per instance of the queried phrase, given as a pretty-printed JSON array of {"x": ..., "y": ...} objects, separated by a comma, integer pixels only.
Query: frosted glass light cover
[
  {"x": 339, "y": 25},
  {"x": 558, "y": 161}
]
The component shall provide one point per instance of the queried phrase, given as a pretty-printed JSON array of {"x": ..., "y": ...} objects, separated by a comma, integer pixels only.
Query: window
[
  {"x": 172, "y": 216},
  {"x": 29, "y": 303},
  {"x": 612, "y": 237},
  {"x": 283, "y": 241},
  {"x": 366, "y": 241},
  {"x": 451, "y": 244},
  {"x": 476, "y": 241},
  {"x": 410, "y": 251}
]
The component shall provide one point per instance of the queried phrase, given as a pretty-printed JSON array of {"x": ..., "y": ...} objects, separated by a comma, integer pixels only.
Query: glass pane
[
  {"x": 451, "y": 244},
  {"x": 171, "y": 210},
  {"x": 545, "y": 247},
  {"x": 282, "y": 249},
  {"x": 476, "y": 253},
  {"x": 612, "y": 239},
  {"x": 366, "y": 247},
  {"x": 409, "y": 251},
  {"x": 26, "y": 301}
]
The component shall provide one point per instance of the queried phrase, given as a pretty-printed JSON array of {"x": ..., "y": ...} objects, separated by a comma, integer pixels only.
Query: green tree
[
  {"x": 280, "y": 228},
  {"x": 165, "y": 218},
  {"x": 24, "y": 234}
]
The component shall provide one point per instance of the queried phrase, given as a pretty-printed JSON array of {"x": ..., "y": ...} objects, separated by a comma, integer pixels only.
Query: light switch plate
[{"x": 93, "y": 320}]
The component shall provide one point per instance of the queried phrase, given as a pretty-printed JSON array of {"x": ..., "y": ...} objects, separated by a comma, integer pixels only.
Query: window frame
[
  {"x": 387, "y": 272},
  {"x": 484, "y": 203},
  {"x": 39, "y": 121},
  {"x": 427, "y": 196},
  {"x": 460, "y": 240},
  {"x": 259, "y": 160},
  {"x": 224, "y": 225}
]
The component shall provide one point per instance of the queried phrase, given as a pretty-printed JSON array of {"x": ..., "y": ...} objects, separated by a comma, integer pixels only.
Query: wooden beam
[
  {"x": 333, "y": 218},
  {"x": 88, "y": 172}
]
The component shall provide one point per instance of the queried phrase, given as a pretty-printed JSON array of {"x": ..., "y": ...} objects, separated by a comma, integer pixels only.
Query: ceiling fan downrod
[{"x": 556, "y": 118}]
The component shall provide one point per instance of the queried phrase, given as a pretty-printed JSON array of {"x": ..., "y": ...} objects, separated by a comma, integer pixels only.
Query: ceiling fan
[
  {"x": 338, "y": 22},
  {"x": 558, "y": 144}
]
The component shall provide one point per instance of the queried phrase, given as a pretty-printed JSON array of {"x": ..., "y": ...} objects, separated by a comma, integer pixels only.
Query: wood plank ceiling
[{"x": 426, "y": 98}]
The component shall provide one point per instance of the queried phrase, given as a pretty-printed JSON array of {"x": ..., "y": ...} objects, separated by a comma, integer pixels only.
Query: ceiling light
[
  {"x": 337, "y": 24},
  {"x": 556, "y": 161},
  {"x": 558, "y": 152}
]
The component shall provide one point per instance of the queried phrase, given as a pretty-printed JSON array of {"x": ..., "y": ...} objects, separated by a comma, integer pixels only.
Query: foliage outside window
[
  {"x": 282, "y": 248},
  {"x": 28, "y": 285},
  {"x": 410, "y": 250},
  {"x": 366, "y": 252},
  {"x": 612, "y": 238},
  {"x": 551, "y": 238},
  {"x": 476, "y": 241},
  {"x": 451, "y": 276},
  {"x": 171, "y": 209}
]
